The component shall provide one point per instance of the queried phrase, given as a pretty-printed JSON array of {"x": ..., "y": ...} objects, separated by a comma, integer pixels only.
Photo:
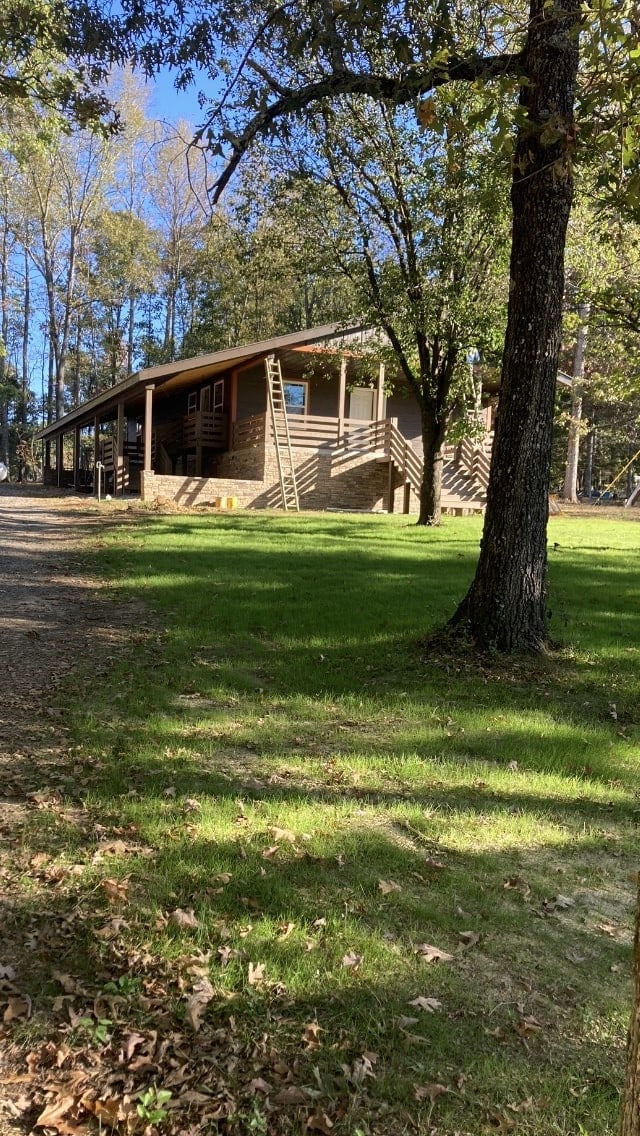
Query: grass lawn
[{"x": 305, "y": 877}]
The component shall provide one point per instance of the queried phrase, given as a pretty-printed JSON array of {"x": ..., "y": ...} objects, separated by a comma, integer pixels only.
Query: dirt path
[{"x": 49, "y": 615}]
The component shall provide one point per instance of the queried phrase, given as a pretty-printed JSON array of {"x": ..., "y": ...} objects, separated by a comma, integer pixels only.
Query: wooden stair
[{"x": 465, "y": 473}]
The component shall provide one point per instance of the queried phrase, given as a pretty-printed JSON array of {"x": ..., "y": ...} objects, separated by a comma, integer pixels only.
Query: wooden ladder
[{"x": 282, "y": 438}]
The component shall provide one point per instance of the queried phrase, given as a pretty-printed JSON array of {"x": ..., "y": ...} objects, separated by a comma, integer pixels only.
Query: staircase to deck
[{"x": 465, "y": 473}]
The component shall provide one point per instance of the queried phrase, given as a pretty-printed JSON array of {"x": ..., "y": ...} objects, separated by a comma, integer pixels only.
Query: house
[{"x": 301, "y": 420}]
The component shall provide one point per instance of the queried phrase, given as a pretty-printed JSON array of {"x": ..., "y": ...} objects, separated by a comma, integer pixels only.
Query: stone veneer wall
[
  {"x": 198, "y": 490},
  {"x": 327, "y": 478},
  {"x": 332, "y": 478}
]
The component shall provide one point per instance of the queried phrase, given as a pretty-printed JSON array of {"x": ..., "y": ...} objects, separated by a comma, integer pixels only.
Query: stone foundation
[
  {"x": 327, "y": 478},
  {"x": 198, "y": 490}
]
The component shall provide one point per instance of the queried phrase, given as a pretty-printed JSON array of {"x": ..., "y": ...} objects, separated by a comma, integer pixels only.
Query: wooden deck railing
[
  {"x": 204, "y": 428},
  {"x": 470, "y": 457},
  {"x": 402, "y": 453},
  {"x": 312, "y": 430},
  {"x": 248, "y": 432}
]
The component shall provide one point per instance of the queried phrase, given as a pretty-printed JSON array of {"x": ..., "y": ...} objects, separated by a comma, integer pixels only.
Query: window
[
  {"x": 218, "y": 396},
  {"x": 192, "y": 402},
  {"x": 296, "y": 397},
  {"x": 205, "y": 398}
]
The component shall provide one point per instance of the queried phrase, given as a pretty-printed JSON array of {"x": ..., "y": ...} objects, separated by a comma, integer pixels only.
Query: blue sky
[{"x": 168, "y": 103}]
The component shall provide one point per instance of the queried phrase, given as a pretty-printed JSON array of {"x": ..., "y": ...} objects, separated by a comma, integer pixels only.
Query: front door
[{"x": 361, "y": 404}]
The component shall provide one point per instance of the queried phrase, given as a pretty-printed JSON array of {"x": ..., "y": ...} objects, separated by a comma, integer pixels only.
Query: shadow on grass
[{"x": 516, "y": 970}]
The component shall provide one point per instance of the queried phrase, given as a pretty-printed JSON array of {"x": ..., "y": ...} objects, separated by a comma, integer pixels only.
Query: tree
[
  {"x": 418, "y": 229},
  {"x": 367, "y": 50},
  {"x": 400, "y": 54},
  {"x": 35, "y": 67}
]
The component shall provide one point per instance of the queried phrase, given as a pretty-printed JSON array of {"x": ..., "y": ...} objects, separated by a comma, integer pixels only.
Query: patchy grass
[{"x": 278, "y": 804}]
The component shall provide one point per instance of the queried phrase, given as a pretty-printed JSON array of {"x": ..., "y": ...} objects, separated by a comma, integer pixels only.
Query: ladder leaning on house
[{"x": 281, "y": 436}]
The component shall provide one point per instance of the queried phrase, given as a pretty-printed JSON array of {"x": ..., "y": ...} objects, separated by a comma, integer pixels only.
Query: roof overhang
[{"x": 167, "y": 377}]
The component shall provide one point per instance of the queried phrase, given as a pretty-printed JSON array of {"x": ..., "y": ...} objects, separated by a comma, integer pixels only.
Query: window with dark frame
[{"x": 296, "y": 397}]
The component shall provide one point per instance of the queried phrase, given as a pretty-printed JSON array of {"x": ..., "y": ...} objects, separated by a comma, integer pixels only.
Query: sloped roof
[{"x": 184, "y": 372}]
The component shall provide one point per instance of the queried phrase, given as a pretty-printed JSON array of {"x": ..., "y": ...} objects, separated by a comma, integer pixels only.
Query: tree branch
[{"x": 400, "y": 90}]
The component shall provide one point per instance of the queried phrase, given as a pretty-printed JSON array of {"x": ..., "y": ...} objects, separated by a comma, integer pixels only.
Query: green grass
[{"x": 278, "y": 751}]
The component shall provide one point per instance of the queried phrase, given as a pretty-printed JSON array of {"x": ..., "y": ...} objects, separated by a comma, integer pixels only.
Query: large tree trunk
[
  {"x": 505, "y": 607},
  {"x": 433, "y": 435},
  {"x": 570, "y": 487},
  {"x": 630, "y": 1116}
]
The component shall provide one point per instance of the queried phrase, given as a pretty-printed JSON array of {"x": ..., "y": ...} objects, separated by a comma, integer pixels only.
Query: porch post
[
  {"x": 118, "y": 487},
  {"x": 342, "y": 396},
  {"x": 76, "y": 458},
  {"x": 60, "y": 459},
  {"x": 96, "y": 453},
  {"x": 380, "y": 394},
  {"x": 46, "y": 472},
  {"x": 148, "y": 427},
  {"x": 391, "y": 493},
  {"x": 233, "y": 408}
]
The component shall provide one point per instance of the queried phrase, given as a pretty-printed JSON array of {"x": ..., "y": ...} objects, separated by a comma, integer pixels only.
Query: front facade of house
[{"x": 207, "y": 430}]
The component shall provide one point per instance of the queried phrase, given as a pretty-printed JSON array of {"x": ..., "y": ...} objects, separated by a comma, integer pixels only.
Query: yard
[{"x": 298, "y": 872}]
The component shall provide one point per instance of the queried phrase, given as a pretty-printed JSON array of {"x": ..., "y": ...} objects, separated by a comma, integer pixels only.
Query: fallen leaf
[
  {"x": 352, "y": 960},
  {"x": 53, "y": 1116},
  {"x": 516, "y": 883},
  {"x": 184, "y": 919},
  {"x": 284, "y": 930},
  {"x": 282, "y": 834},
  {"x": 18, "y": 1008},
  {"x": 528, "y": 1025},
  {"x": 310, "y": 1036},
  {"x": 432, "y": 954},
  {"x": 112, "y": 928},
  {"x": 404, "y": 1022},
  {"x": 256, "y": 973},
  {"x": 290, "y": 1094},
  {"x": 388, "y": 886},
  {"x": 319, "y": 1122},
  {"x": 202, "y": 994},
  {"x": 468, "y": 939},
  {"x": 116, "y": 890},
  {"x": 428, "y": 1004},
  {"x": 258, "y": 1085},
  {"x": 429, "y": 1092},
  {"x": 130, "y": 1044}
]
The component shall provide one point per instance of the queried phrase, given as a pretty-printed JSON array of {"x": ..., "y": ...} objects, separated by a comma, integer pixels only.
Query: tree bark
[
  {"x": 630, "y": 1115},
  {"x": 505, "y": 607},
  {"x": 570, "y": 487},
  {"x": 433, "y": 434}
]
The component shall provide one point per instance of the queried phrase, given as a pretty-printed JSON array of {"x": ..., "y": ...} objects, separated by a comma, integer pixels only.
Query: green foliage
[
  {"x": 150, "y": 1106},
  {"x": 34, "y": 66}
]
